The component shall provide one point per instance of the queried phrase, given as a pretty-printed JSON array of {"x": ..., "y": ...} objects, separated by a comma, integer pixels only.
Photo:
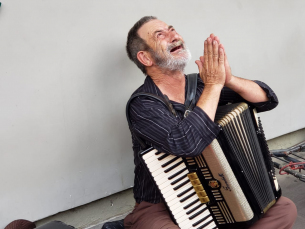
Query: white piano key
[
  {"x": 154, "y": 165},
  {"x": 185, "y": 179},
  {"x": 161, "y": 171},
  {"x": 183, "y": 187},
  {"x": 161, "y": 178},
  {"x": 169, "y": 191},
  {"x": 153, "y": 158},
  {"x": 153, "y": 161},
  {"x": 182, "y": 220},
  {"x": 176, "y": 208},
  {"x": 197, "y": 218},
  {"x": 163, "y": 185},
  {"x": 150, "y": 154},
  {"x": 170, "y": 173},
  {"x": 209, "y": 226},
  {"x": 185, "y": 203}
]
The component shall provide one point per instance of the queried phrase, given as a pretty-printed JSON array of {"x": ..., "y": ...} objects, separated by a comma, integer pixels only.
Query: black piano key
[
  {"x": 206, "y": 224},
  {"x": 193, "y": 209},
  {"x": 196, "y": 214},
  {"x": 189, "y": 196},
  {"x": 177, "y": 173},
  {"x": 181, "y": 185},
  {"x": 163, "y": 156},
  {"x": 170, "y": 161},
  {"x": 201, "y": 220},
  {"x": 179, "y": 179},
  {"x": 184, "y": 192},
  {"x": 158, "y": 153},
  {"x": 190, "y": 204},
  {"x": 172, "y": 167}
]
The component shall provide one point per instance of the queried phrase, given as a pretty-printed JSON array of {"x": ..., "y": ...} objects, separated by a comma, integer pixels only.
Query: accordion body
[{"x": 230, "y": 185}]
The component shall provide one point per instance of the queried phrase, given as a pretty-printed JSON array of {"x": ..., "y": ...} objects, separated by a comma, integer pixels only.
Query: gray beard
[{"x": 169, "y": 62}]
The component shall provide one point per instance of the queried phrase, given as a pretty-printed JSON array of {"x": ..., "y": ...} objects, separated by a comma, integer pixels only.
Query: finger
[
  {"x": 212, "y": 36},
  {"x": 210, "y": 54},
  {"x": 221, "y": 46},
  {"x": 201, "y": 58},
  {"x": 217, "y": 39},
  {"x": 206, "y": 58},
  {"x": 215, "y": 54},
  {"x": 221, "y": 58},
  {"x": 226, "y": 59}
]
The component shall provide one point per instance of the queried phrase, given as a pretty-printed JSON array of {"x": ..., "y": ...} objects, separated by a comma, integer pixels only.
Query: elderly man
[{"x": 161, "y": 54}]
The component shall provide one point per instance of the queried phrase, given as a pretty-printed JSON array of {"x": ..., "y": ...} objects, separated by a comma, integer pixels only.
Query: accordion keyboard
[{"x": 170, "y": 174}]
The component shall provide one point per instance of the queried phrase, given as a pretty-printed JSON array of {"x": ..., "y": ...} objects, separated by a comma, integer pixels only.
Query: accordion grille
[{"x": 239, "y": 131}]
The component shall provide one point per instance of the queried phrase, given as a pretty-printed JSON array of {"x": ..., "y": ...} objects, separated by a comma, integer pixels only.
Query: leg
[
  {"x": 281, "y": 216},
  {"x": 149, "y": 216}
]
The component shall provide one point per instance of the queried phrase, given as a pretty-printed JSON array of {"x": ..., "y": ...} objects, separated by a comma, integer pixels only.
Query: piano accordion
[{"x": 230, "y": 185}]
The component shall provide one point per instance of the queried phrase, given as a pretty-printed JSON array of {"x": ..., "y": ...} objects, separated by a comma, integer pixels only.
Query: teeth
[{"x": 175, "y": 48}]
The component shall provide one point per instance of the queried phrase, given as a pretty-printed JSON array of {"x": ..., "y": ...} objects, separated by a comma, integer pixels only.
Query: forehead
[{"x": 147, "y": 30}]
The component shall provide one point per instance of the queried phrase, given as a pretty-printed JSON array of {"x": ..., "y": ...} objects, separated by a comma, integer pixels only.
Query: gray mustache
[{"x": 173, "y": 45}]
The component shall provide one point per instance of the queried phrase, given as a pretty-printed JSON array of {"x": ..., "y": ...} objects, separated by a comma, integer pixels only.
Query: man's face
[{"x": 168, "y": 49}]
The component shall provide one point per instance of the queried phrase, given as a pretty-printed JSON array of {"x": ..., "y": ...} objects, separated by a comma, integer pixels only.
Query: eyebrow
[{"x": 169, "y": 27}]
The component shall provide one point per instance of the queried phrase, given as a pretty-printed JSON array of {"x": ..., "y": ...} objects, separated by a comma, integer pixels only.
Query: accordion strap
[
  {"x": 189, "y": 103},
  {"x": 190, "y": 100}
]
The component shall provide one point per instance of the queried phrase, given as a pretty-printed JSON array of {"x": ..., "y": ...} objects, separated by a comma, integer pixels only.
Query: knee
[{"x": 290, "y": 210}]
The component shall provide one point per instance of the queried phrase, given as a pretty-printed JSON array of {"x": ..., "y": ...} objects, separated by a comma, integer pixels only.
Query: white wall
[{"x": 65, "y": 80}]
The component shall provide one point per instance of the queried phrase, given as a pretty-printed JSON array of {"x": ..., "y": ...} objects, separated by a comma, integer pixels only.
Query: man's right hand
[
  {"x": 212, "y": 72},
  {"x": 211, "y": 66}
]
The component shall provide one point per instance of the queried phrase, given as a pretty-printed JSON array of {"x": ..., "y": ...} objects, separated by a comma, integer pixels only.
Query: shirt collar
[{"x": 150, "y": 87}]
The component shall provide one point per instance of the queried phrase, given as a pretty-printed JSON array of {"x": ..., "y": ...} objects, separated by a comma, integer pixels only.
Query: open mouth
[{"x": 176, "y": 48}]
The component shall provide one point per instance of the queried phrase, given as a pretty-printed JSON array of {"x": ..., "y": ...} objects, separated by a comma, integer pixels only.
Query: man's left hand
[{"x": 229, "y": 75}]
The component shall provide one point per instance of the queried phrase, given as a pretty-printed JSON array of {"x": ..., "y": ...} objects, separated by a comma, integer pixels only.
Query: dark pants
[{"x": 155, "y": 216}]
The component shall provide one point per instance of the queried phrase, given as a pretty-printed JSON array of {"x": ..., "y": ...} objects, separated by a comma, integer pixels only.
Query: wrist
[
  {"x": 213, "y": 87},
  {"x": 231, "y": 82}
]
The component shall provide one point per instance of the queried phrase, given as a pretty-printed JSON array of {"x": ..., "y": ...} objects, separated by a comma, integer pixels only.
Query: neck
[{"x": 171, "y": 83}]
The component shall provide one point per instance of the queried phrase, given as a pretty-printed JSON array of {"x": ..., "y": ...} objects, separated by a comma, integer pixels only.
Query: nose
[{"x": 174, "y": 36}]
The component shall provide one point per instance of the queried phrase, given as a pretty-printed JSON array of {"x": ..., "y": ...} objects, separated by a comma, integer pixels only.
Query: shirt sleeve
[
  {"x": 155, "y": 124},
  {"x": 229, "y": 96}
]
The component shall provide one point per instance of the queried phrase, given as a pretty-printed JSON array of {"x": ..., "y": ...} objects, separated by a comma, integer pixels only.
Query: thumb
[
  {"x": 226, "y": 60},
  {"x": 199, "y": 64}
]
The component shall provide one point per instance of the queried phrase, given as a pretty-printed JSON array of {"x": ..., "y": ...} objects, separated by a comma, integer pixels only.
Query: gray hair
[{"x": 135, "y": 43}]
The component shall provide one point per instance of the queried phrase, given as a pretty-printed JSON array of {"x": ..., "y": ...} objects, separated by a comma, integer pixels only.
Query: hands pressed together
[{"x": 214, "y": 68}]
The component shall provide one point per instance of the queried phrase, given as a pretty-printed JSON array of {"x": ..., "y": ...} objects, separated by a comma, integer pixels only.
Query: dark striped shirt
[{"x": 185, "y": 137}]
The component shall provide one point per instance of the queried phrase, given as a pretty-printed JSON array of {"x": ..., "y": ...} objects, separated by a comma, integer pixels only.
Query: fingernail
[{"x": 214, "y": 42}]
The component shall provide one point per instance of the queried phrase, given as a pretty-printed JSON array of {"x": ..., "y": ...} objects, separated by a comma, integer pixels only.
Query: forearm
[
  {"x": 247, "y": 89},
  {"x": 185, "y": 137},
  {"x": 209, "y": 99}
]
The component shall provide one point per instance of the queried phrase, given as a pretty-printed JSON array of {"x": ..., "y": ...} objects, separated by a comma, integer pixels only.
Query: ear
[{"x": 145, "y": 58}]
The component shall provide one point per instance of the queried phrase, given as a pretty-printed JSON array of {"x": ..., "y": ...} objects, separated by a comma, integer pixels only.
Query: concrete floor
[{"x": 294, "y": 189}]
